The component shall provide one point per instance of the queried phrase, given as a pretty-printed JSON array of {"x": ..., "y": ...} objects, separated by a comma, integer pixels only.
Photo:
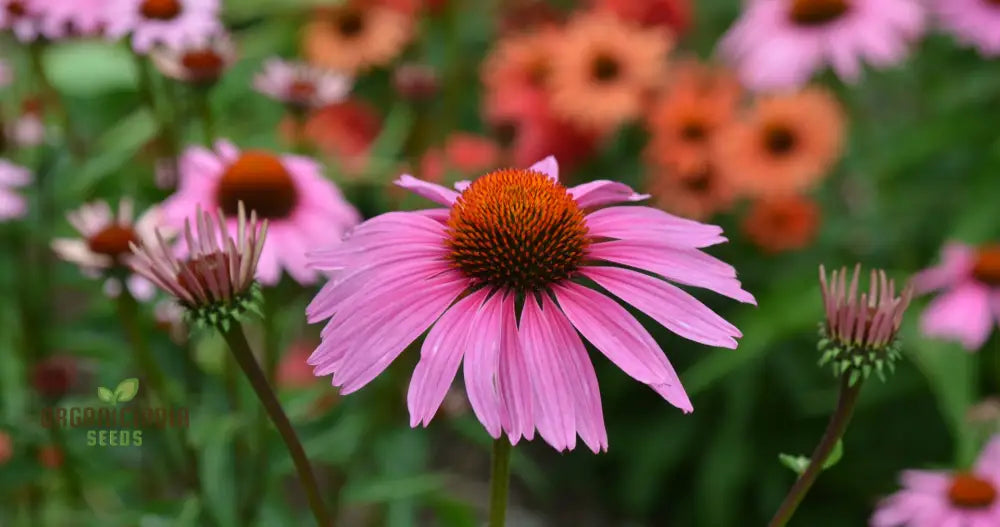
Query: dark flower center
[
  {"x": 160, "y": 9},
  {"x": 779, "y": 140},
  {"x": 506, "y": 133},
  {"x": 969, "y": 491},
  {"x": 694, "y": 131},
  {"x": 261, "y": 182},
  {"x": 700, "y": 182},
  {"x": 350, "y": 23},
  {"x": 538, "y": 73},
  {"x": 516, "y": 229},
  {"x": 301, "y": 90},
  {"x": 987, "y": 266},
  {"x": 605, "y": 68},
  {"x": 203, "y": 65},
  {"x": 112, "y": 240},
  {"x": 817, "y": 12},
  {"x": 16, "y": 9}
]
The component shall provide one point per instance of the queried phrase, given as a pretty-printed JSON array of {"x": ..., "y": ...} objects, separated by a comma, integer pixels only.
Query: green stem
[
  {"x": 835, "y": 429},
  {"x": 68, "y": 466},
  {"x": 499, "y": 481},
  {"x": 207, "y": 119},
  {"x": 51, "y": 96},
  {"x": 241, "y": 351}
]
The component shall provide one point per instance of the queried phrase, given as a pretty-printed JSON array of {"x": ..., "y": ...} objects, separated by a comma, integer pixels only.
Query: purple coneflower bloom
[
  {"x": 504, "y": 278},
  {"x": 170, "y": 23},
  {"x": 780, "y": 44},
  {"x": 300, "y": 85},
  {"x": 973, "y": 22}
]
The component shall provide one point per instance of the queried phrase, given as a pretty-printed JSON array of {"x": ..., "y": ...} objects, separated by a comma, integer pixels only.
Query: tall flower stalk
[
  {"x": 499, "y": 481},
  {"x": 215, "y": 284},
  {"x": 858, "y": 338}
]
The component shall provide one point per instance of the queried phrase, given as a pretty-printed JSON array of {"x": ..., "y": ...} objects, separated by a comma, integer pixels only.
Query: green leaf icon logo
[
  {"x": 105, "y": 395},
  {"x": 126, "y": 390}
]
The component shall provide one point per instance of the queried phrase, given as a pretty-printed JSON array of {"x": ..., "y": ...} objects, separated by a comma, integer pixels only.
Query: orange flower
[
  {"x": 356, "y": 35},
  {"x": 694, "y": 190},
  {"x": 782, "y": 224},
  {"x": 683, "y": 121},
  {"x": 521, "y": 61},
  {"x": 606, "y": 69},
  {"x": 786, "y": 145},
  {"x": 343, "y": 132},
  {"x": 465, "y": 153}
]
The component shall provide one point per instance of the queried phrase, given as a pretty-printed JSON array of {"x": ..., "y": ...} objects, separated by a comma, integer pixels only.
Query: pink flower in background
[
  {"x": 300, "y": 85},
  {"x": 19, "y": 16},
  {"x": 28, "y": 129},
  {"x": 170, "y": 23},
  {"x": 64, "y": 18},
  {"x": 973, "y": 22},
  {"x": 779, "y": 44},
  {"x": 302, "y": 208},
  {"x": 461, "y": 270},
  {"x": 199, "y": 62},
  {"x": 943, "y": 499},
  {"x": 969, "y": 306},
  {"x": 12, "y": 205},
  {"x": 105, "y": 240}
]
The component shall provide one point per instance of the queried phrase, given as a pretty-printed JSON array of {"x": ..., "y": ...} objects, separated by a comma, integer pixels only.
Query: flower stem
[
  {"x": 847, "y": 399},
  {"x": 241, "y": 351},
  {"x": 499, "y": 481},
  {"x": 207, "y": 119}
]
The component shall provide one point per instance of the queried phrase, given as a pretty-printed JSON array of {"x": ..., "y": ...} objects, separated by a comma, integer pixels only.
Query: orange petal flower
[
  {"x": 782, "y": 224},
  {"x": 786, "y": 145},
  {"x": 355, "y": 36},
  {"x": 693, "y": 189}
]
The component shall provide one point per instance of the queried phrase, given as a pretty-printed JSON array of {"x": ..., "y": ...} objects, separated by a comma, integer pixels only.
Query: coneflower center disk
[
  {"x": 699, "y": 182},
  {"x": 605, "y": 68},
  {"x": 203, "y": 64},
  {"x": 516, "y": 229},
  {"x": 694, "y": 131},
  {"x": 350, "y": 23},
  {"x": 16, "y": 9},
  {"x": 987, "y": 266},
  {"x": 112, "y": 240},
  {"x": 817, "y": 12},
  {"x": 969, "y": 491},
  {"x": 261, "y": 182},
  {"x": 301, "y": 90},
  {"x": 160, "y": 9},
  {"x": 779, "y": 140}
]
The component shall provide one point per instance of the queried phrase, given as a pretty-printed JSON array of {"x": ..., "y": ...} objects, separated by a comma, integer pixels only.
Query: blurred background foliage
[{"x": 922, "y": 166}]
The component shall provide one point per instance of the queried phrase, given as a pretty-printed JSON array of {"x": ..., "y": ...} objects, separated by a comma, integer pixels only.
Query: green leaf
[
  {"x": 797, "y": 464},
  {"x": 127, "y": 390},
  {"x": 90, "y": 68},
  {"x": 105, "y": 395},
  {"x": 835, "y": 455}
]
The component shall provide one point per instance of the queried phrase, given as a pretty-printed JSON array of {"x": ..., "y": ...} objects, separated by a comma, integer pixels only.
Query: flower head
[
  {"x": 356, "y": 35},
  {"x": 933, "y": 498},
  {"x": 782, "y": 224},
  {"x": 197, "y": 62},
  {"x": 973, "y": 22},
  {"x": 859, "y": 335},
  {"x": 20, "y": 17},
  {"x": 495, "y": 277},
  {"x": 301, "y": 86},
  {"x": 12, "y": 205},
  {"x": 965, "y": 311},
  {"x": 215, "y": 280},
  {"x": 169, "y": 23},
  {"x": 290, "y": 192},
  {"x": 606, "y": 69},
  {"x": 104, "y": 246},
  {"x": 691, "y": 189},
  {"x": 779, "y": 44},
  {"x": 65, "y": 19},
  {"x": 672, "y": 14},
  {"x": 785, "y": 145}
]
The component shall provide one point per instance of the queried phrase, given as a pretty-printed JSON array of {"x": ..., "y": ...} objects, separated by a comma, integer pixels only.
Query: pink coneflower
[
  {"x": 302, "y": 207},
  {"x": 171, "y": 23},
  {"x": 199, "y": 63},
  {"x": 779, "y": 44},
  {"x": 19, "y": 16},
  {"x": 933, "y": 498},
  {"x": 965, "y": 312},
  {"x": 973, "y": 22},
  {"x": 104, "y": 246},
  {"x": 59, "y": 19},
  {"x": 514, "y": 237},
  {"x": 12, "y": 205},
  {"x": 28, "y": 129},
  {"x": 300, "y": 85}
]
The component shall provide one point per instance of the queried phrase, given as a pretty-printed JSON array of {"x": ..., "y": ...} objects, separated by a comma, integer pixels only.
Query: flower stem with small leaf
[
  {"x": 835, "y": 429},
  {"x": 237, "y": 341}
]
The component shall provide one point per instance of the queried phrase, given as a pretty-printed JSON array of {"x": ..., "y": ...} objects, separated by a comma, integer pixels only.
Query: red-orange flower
[
  {"x": 675, "y": 14},
  {"x": 693, "y": 190},
  {"x": 782, "y": 224},
  {"x": 786, "y": 145},
  {"x": 343, "y": 132}
]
